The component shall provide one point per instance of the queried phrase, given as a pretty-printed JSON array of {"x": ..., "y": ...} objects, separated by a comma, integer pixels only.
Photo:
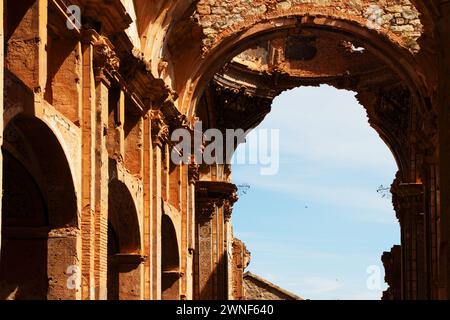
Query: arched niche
[
  {"x": 170, "y": 261},
  {"x": 39, "y": 213},
  {"x": 125, "y": 262}
]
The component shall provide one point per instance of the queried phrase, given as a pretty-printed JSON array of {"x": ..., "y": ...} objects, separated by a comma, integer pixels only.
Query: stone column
[
  {"x": 228, "y": 242},
  {"x": 99, "y": 63},
  {"x": 185, "y": 229},
  {"x": 213, "y": 201},
  {"x": 101, "y": 191},
  {"x": 160, "y": 132},
  {"x": 193, "y": 178},
  {"x": 409, "y": 204},
  {"x": 443, "y": 30},
  {"x": 148, "y": 206},
  {"x": 88, "y": 168},
  {"x": 204, "y": 213},
  {"x": 181, "y": 188}
]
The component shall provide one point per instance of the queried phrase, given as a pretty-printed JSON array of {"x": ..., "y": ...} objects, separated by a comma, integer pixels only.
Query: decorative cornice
[
  {"x": 128, "y": 259},
  {"x": 218, "y": 194},
  {"x": 408, "y": 200},
  {"x": 137, "y": 71},
  {"x": 111, "y": 14},
  {"x": 237, "y": 109}
]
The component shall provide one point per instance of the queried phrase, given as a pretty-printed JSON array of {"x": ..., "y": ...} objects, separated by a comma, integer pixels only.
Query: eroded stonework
[
  {"x": 92, "y": 202},
  {"x": 220, "y": 18}
]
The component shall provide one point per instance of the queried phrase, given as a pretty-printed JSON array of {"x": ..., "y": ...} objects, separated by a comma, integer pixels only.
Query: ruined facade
[{"x": 94, "y": 208}]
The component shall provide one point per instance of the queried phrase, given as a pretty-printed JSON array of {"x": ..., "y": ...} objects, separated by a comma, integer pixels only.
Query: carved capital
[
  {"x": 137, "y": 72},
  {"x": 193, "y": 173},
  {"x": 222, "y": 194},
  {"x": 160, "y": 130},
  {"x": 227, "y": 211},
  {"x": 238, "y": 109},
  {"x": 408, "y": 200},
  {"x": 206, "y": 208},
  {"x": 228, "y": 205},
  {"x": 105, "y": 58}
]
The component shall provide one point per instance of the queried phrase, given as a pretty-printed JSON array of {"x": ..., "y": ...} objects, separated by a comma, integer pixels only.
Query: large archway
[
  {"x": 39, "y": 214},
  {"x": 240, "y": 75}
]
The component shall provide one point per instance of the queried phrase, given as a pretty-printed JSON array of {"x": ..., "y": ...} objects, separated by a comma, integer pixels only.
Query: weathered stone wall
[
  {"x": 71, "y": 92},
  {"x": 219, "y": 18}
]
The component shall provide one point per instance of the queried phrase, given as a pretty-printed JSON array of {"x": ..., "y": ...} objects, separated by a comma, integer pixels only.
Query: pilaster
[
  {"x": 88, "y": 125},
  {"x": 409, "y": 204},
  {"x": 213, "y": 203},
  {"x": 159, "y": 132}
]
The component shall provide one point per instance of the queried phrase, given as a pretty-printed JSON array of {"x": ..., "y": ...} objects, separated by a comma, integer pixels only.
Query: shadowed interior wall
[{"x": 170, "y": 261}]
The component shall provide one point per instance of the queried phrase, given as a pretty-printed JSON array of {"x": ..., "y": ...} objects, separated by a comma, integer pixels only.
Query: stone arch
[
  {"x": 39, "y": 212},
  {"x": 216, "y": 67},
  {"x": 132, "y": 30},
  {"x": 396, "y": 57},
  {"x": 384, "y": 46},
  {"x": 170, "y": 260},
  {"x": 156, "y": 22},
  {"x": 152, "y": 19},
  {"x": 124, "y": 245}
]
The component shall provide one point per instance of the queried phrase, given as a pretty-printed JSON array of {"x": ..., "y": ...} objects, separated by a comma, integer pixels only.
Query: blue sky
[{"x": 316, "y": 226}]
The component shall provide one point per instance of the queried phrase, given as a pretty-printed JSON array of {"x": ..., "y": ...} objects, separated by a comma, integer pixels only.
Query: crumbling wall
[{"x": 219, "y": 18}]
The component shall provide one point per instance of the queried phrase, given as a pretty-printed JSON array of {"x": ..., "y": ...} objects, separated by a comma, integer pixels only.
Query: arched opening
[
  {"x": 235, "y": 85},
  {"x": 170, "y": 263},
  {"x": 23, "y": 208},
  {"x": 39, "y": 214},
  {"x": 325, "y": 222},
  {"x": 124, "y": 245}
]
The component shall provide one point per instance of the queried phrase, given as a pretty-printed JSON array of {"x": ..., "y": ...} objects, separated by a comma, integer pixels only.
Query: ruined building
[{"x": 94, "y": 208}]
